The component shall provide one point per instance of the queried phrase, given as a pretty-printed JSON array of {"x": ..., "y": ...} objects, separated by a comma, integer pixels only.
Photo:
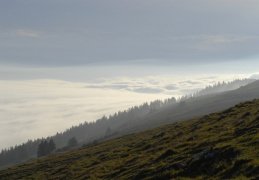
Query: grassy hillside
[{"x": 220, "y": 145}]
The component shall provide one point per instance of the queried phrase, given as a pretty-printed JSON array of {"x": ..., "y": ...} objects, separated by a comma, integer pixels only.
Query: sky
[
  {"x": 63, "y": 62},
  {"x": 85, "y": 32}
]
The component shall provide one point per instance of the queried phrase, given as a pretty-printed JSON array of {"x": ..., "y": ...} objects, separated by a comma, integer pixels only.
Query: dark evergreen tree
[
  {"x": 72, "y": 142},
  {"x": 51, "y": 146},
  {"x": 41, "y": 149},
  {"x": 108, "y": 131},
  {"x": 46, "y": 148}
]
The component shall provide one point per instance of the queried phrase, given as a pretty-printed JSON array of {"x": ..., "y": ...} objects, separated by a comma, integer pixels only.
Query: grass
[{"x": 222, "y": 145}]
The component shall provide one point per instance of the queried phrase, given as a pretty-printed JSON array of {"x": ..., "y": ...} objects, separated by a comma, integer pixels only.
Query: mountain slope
[
  {"x": 220, "y": 145},
  {"x": 144, "y": 117},
  {"x": 199, "y": 106}
]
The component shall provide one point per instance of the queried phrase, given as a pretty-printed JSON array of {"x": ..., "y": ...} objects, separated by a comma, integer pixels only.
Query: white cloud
[
  {"x": 27, "y": 33},
  {"x": 32, "y": 109},
  {"x": 210, "y": 42},
  {"x": 36, "y": 108},
  {"x": 224, "y": 39},
  {"x": 255, "y": 76}
]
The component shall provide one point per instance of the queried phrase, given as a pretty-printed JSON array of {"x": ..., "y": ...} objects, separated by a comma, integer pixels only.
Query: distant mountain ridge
[{"x": 144, "y": 117}]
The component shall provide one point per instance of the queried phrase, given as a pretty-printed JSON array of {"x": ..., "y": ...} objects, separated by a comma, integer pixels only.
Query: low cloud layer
[
  {"x": 37, "y": 108},
  {"x": 33, "y": 109}
]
